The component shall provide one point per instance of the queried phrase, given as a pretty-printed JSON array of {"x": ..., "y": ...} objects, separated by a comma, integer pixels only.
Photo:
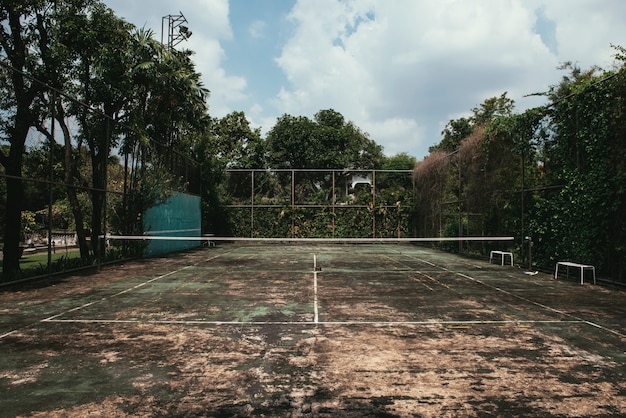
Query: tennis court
[{"x": 312, "y": 329}]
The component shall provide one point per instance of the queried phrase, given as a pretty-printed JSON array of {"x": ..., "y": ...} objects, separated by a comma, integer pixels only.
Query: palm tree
[{"x": 167, "y": 108}]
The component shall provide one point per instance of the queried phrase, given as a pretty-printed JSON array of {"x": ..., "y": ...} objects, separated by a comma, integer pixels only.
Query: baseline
[{"x": 426, "y": 323}]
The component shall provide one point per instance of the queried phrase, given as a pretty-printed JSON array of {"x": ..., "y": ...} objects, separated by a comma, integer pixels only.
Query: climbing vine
[{"x": 556, "y": 173}]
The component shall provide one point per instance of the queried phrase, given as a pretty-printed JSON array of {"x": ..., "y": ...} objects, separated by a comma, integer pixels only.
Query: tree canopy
[
  {"x": 328, "y": 141},
  {"x": 80, "y": 65}
]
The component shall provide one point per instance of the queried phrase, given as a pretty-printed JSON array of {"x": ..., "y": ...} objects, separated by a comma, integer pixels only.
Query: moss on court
[{"x": 231, "y": 331}]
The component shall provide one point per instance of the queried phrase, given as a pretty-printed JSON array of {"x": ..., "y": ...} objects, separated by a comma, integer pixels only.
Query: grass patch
[
  {"x": 41, "y": 259},
  {"x": 32, "y": 265}
]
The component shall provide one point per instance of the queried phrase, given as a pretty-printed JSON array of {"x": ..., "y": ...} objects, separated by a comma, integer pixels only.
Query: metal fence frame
[{"x": 332, "y": 204}]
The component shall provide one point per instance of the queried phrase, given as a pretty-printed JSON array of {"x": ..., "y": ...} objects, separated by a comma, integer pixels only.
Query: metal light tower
[{"x": 176, "y": 30}]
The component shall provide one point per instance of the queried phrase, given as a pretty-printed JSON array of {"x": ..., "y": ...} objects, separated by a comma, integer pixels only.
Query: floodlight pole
[{"x": 176, "y": 31}]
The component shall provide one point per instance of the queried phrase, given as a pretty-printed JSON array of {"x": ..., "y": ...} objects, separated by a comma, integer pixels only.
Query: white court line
[
  {"x": 316, "y": 322},
  {"x": 49, "y": 319},
  {"x": 431, "y": 323},
  {"x": 427, "y": 262},
  {"x": 8, "y": 333},
  {"x": 576, "y": 318},
  {"x": 53, "y": 317},
  {"x": 541, "y": 305},
  {"x": 315, "y": 307}
]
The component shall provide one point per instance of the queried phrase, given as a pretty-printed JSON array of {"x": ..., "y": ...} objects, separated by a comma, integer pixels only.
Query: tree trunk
[
  {"x": 81, "y": 234},
  {"x": 13, "y": 210},
  {"x": 17, "y": 54},
  {"x": 97, "y": 200},
  {"x": 99, "y": 160},
  {"x": 70, "y": 169}
]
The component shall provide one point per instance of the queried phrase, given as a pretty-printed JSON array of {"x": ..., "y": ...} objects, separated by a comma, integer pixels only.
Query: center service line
[{"x": 315, "y": 309}]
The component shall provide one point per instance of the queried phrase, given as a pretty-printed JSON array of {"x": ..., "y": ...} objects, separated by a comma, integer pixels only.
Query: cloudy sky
[{"x": 398, "y": 69}]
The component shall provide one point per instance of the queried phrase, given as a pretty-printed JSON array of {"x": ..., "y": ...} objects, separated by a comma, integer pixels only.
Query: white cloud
[
  {"x": 209, "y": 17},
  {"x": 209, "y": 20},
  {"x": 586, "y": 28},
  {"x": 395, "y": 133},
  {"x": 227, "y": 91},
  {"x": 394, "y": 66},
  {"x": 398, "y": 69}
]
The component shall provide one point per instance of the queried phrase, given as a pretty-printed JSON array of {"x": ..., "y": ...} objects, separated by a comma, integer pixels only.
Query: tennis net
[{"x": 151, "y": 244}]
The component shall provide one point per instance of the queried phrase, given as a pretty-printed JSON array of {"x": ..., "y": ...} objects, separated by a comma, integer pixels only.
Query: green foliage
[
  {"x": 59, "y": 264},
  {"x": 120, "y": 88},
  {"x": 453, "y": 134},
  {"x": 24, "y": 36},
  {"x": 385, "y": 209},
  {"x": 402, "y": 161},
  {"x": 456, "y": 131},
  {"x": 62, "y": 207},
  {"x": 491, "y": 109},
  {"x": 28, "y": 222},
  {"x": 291, "y": 201},
  {"x": 585, "y": 155},
  {"x": 328, "y": 142},
  {"x": 234, "y": 143},
  {"x": 554, "y": 173}
]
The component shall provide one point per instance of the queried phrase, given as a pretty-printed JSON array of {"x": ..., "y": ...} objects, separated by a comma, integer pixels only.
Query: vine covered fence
[{"x": 310, "y": 203}]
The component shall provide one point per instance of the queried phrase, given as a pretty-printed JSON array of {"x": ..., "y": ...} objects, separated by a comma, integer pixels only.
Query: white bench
[
  {"x": 582, "y": 267},
  {"x": 502, "y": 254},
  {"x": 208, "y": 242}
]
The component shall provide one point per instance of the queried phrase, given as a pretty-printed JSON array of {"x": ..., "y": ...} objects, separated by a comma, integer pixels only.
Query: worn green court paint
[
  {"x": 151, "y": 342},
  {"x": 57, "y": 381}
]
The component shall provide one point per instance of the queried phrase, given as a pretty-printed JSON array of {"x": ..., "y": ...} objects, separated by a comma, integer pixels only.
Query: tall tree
[
  {"x": 431, "y": 176},
  {"x": 67, "y": 21},
  {"x": 235, "y": 143},
  {"x": 291, "y": 144},
  {"x": 104, "y": 84},
  {"x": 136, "y": 87},
  {"x": 326, "y": 142},
  {"x": 457, "y": 130},
  {"x": 492, "y": 108},
  {"x": 169, "y": 102},
  {"x": 24, "y": 41},
  {"x": 165, "y": 115},
  {"x": 478, "y": 171},
  {"x": 230, "y": 142}
]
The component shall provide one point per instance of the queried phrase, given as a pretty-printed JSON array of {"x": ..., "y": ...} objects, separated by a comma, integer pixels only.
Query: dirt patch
[
  {"x": 122, "y": 358},
  {"x": 329, "y": 371}
]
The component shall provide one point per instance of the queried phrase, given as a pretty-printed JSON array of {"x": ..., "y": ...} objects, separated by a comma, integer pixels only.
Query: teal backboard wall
[{"x": 179, "y": 216}]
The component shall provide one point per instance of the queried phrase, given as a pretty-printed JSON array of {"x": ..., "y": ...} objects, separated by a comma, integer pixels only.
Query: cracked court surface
[{"x": 312, "y": 330}]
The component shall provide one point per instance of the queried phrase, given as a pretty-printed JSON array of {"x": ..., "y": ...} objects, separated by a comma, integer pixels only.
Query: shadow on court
[{"x": 313, "y": 330}]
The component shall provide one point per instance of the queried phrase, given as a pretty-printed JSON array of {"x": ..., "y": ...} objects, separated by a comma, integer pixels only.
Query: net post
[{"x": 99, "y": 257}]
